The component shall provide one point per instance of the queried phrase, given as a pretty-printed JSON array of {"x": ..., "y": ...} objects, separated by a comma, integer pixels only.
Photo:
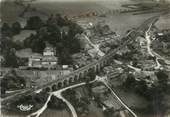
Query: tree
[
  {"x": 91, "y": 74},
  {"x": 12, "y": 81},
  {"x": 162, "y": 80},
  {"x": 65, "y": 57},
  {"x": 6, "y": 29},
  {"x": 74, "y": 29},
  {"x": 16, "y": 28},
  {"x": 130, "y": 81},
  {"x": 60, "y": 20},
  {"x": 34, "y": 23},
  {"x": 141, "y": 88},
  {"x": 38, "y": 45},
  {"x": 3, "y": 90},
  {"x": 10, "y": 59},
  {"x": 50, "y": 33},
  {"x": 161, "y": 75},
  {"x": 74, "y": 45},
  {"x": 56, "y": 103},
  {"x": 89, "y": 89},
  {"x": 28, "y": 41}
]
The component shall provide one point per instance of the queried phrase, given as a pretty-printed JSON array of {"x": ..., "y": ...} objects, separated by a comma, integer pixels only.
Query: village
[{"x": 85, "y": 65}]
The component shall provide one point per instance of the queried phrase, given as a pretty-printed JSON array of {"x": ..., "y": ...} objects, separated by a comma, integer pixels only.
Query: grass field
[
  {"x": 25, "y": 53},
  {"x": 163, "y": 22},
  {"x": 120, "y": 23},
  {"x": 23, "y": 35},
  {"x": 55, "y": 113}
]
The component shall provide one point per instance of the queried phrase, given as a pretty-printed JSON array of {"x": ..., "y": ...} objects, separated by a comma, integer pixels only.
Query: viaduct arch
[{"x": 80, "y": 73}]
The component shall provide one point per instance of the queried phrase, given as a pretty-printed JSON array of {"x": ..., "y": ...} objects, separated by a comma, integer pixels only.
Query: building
[
  {"x": 81, "y": 59},
  {"x": 35, "y": 61},
  {"x": 47, "y": 60},
  {"x": 4, "y": 71},
  {"x": 49, "y": 51},
  {"x": 1, "y": 59},
  {"x": 85, "y": 24}
]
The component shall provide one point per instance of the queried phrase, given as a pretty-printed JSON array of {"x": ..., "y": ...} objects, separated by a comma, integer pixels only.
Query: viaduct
[{"x": 79, "y": 75}]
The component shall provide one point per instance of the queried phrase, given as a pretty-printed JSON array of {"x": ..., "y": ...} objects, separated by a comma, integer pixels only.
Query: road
[
  {"x": 150, "y": 51},
  {"x": 41, "y": 110},
  {"x": 105, "y": 82},
  {"x": 96, "y": 47},
  {"x": 72, "y": 109},
  {"x": 58, "y": 94}
]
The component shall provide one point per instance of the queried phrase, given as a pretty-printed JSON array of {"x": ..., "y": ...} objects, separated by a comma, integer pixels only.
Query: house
[
  {"x": 47, "y": 60},
  {"x": 80, "y": 59},
  {"x": 85, "y": 24},
  {"x": 35, "y": 61},
  {"x": 49, "y": 51},
  {"x": 93, "y": 53},
  {"x": 66, "y": 70},
  {"x": 162, "y": 32},
  {"x": 4, "y": 71},
  {"x": 65, "y": 30},
  {"x": 1, "y": 59},
  {"x": 142, "y": 42}
]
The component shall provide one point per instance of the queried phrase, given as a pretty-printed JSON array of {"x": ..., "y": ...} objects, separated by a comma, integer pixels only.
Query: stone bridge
[{"x": 79, "y": 75}]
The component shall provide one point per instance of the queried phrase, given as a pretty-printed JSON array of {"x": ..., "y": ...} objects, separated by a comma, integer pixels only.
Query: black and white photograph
[{"x": 84, "y": 58}]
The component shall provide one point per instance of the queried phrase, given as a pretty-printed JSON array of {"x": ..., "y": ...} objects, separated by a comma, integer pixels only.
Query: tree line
[{"x": 154, "y": 94}]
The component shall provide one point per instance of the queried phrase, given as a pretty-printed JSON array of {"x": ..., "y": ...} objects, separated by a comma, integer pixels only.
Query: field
[
  {"x": 132, "y": 99},
  {"x": 119, "y": 23},
  {"x": 25, "y": 53},
  {"x": 53, "y": 113},
  {"x": 68, "y": 8},
  {"x": 10, "y": 12},
  {"x": 23, "y": 35},
  {"x": 163, "y": 22}
]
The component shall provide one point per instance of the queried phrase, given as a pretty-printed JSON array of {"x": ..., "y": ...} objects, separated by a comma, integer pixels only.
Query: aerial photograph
[{"x": 84, "y": 58}]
